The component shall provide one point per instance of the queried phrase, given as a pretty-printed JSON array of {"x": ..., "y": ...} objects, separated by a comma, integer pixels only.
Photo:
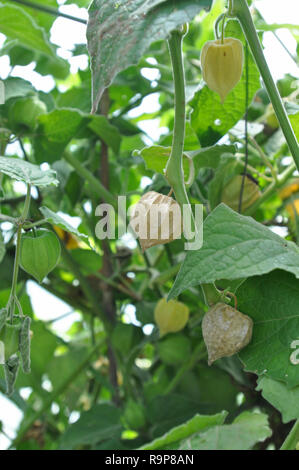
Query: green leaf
[
  {"x": 55, "y": 131},
  {"x": 247, "y": 430},
  {"x": 294, "y": 118},
  {"x": 272, "y": 303},
  {"x": 15, "y": 87},
  {"x": 100, "y": 422},
  {"x": 209, "y": 157},
  {"x": 194, "y": 425},
  {"x": 282, "y": 398},
  {"x": 119, "y": 33},
  {"x": 210, "y": 118},
  {"x": 235, "y": 246},
  {"x": 17, "y": 24},
  {"x": 106, "y": 131},
  {"x": 27, "y": 172},
  {"x": 56, "y": 219},
  {"x": 156, "y": 157}
]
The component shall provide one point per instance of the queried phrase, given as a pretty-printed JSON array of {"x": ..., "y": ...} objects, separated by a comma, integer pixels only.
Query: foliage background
[{"x": 140, "y": 113}]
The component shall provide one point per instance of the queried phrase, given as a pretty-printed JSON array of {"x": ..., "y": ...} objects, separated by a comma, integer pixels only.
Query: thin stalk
[
  {"x": 6, "y": 218},
  {"x": 174, "y": 168},
  {"x": 241, "y": 10},
  {"x": 100, "y": 190},
  {"x": 49, "y": 10},
  {"x": 13, "y": 301}
]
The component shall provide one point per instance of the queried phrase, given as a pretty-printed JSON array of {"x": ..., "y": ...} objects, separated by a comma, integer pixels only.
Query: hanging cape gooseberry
[
  {"x": 40, "y": 253},
  {"x": 231, "y": 192},
  {"x": 225, "y": 331},
  {"x": 156, "y": 219},
  {"x": 222, "y": 65},
  {"x": 171, "y": 316}
]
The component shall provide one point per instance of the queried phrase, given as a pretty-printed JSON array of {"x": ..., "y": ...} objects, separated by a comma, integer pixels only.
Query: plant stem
[
  {"x": 6, "y": 218},
  {"x": 96, "y": 185},
  {"x": 241, "y": 11},
  {"x": 53, "y": 397},
  {"x": 292, "y": 439},
  {"x": 13, "y": 298},
  {"x": 174, "y": 168},
  {"x": 49, "y": 10}
]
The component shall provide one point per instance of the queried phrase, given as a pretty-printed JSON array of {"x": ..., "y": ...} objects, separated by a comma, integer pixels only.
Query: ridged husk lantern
[
  {"x": 40, "y": 253},
  {"x": 156, "y": 219},
  {"x": 225, "y": 331},
  {"x": 222, "y": 65},
  {"x": 232, "y": 191}
]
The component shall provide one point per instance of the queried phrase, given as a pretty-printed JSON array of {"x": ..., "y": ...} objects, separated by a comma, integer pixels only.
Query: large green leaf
[
  {"x": 99, "y": 423},
  {"x": 17, "y": 24},
  {"x": 198, "y": 423},
  {"x": 27, "y": 172},
  {"x": 272, "y": 303},
  {"x": 156, "y": 157},
  {"x": 284, "y": 399},
  {"x": 210, "y": 118},
  {"x": 235, "y": 247},
  {"x": 15, "y": 86},
  {"x": 120, "y": 32},
  {"x": 294, "y": 118},
  {"x": 55, "y": 131},
  {"x": 246, "y": 430},
  {"x": 106, "y": 131}
]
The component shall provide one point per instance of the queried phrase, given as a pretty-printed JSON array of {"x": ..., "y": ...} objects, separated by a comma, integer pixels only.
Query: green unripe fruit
[
  {"x": 171, "y": 316},
  {"x": 174, "y": 350},
  {"x": 231, "y": 193},
  {"x": 271, "y": 118},
  {"x": 24, "y": 113},
  {"x": 134, "y": 415},
  {"x": 40, "y": 253}
]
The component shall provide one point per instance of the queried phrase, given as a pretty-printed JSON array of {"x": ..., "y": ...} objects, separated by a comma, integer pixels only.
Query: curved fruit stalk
[
  {"x": 171, "y": 316},
  {"x": 231, "y": 193},
  {"x": 156, "y": 219},
  {"x": 222, "y": 65},
  {"x": 40, "y": 253},
  {"x": 225, "y": 331}
]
